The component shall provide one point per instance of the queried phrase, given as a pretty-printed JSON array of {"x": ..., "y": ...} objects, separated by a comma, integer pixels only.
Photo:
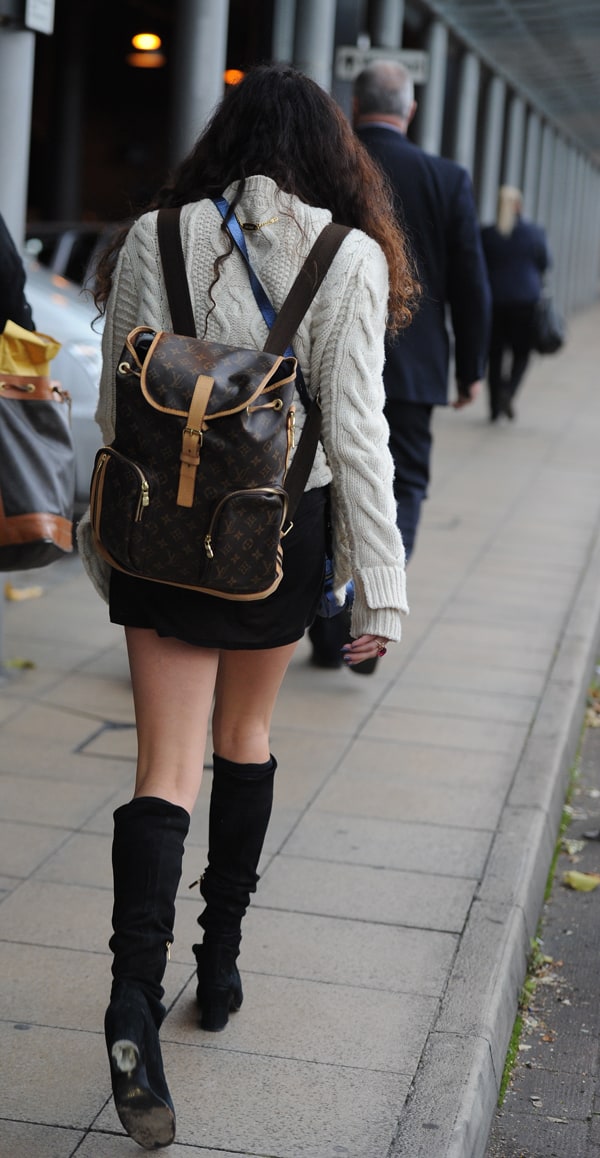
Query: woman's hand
[{"x": 365, "y": 647}]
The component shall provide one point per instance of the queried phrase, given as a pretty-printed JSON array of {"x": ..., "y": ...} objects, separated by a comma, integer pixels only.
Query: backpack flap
[{"x": 170, "y": 368}]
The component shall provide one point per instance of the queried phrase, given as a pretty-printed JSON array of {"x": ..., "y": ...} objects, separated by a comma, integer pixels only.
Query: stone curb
[{"x": 454, "y": 1094}]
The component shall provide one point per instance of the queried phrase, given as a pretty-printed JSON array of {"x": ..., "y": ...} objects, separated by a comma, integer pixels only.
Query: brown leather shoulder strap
[
  {"x": 173, "y": 263},
  {"x": 305, "y": 287}
]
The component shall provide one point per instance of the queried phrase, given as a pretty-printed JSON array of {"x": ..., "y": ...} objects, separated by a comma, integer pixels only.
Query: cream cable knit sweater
[{"x": 339, "y": 346}]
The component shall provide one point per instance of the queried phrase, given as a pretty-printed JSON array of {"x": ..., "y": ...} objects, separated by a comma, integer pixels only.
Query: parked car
[
  {"x": 62, "y": 310},
  {"x": 69, "y": 248}
]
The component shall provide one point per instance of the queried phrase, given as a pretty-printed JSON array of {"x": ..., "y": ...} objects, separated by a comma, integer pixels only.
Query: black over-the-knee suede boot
[
  {"x": 240, "y": 808},
  {"x": 147, "y": 852}
]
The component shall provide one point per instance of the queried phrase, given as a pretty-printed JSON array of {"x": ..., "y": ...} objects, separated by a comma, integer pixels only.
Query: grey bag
[{"x": 37, "y": 470}]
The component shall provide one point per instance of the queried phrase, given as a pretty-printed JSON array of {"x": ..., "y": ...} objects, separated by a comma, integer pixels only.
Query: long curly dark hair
[{"x": 279, "y": 123}]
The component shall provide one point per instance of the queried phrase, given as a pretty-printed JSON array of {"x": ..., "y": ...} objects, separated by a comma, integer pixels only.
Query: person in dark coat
[
  {"x": 517, "y": 255},
  {"x": 434, "y": 202},
  {"x": 13, "y": 303}
]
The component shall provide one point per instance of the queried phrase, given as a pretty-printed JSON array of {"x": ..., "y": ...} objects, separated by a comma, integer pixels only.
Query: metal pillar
[
  {"x": 544, "y": 194},
  {"x": 513, "y": 165},
  {"x": 531, "y": 173},
  {"x": 492, "y": 150},
  {"x": 17, "y": 53},
  {"x": 577, "y": 258},
  {"x": 586, "y": 257},
  {"x": 200, "y": 55},
  {"x": 64, "y": 194},
  {"x": 386, "y": 23},
  {"x": 570, "y": 228},
  {"x": 284, "y": 16},
  {"x": 556, "y": 224},
  {"x": 594, "y": 232},
  {"x": 314, "y": 40},
  {"x": 466, "y": 117},
  {"x": 596, "y": 235},
  {"x": 431, "y": 117}
]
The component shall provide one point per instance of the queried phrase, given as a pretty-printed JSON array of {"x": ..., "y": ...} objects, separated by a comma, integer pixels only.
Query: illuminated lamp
[
  {"x": 233, "y": 76},
  {"x": 146, "y": 41}
]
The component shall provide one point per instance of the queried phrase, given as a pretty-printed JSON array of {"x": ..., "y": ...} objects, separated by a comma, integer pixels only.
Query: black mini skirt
[{"x": 207, "y": 621}]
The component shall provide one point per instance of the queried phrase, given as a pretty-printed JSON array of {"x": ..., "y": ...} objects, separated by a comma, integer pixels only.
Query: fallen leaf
[
  {"x": 572, "y": 847},
  {"x": 17, "y": 594},
  {"x": 582, "y": 882}
]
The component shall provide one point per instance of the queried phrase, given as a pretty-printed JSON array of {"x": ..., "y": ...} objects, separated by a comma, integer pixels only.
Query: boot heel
[
  {"x": 216, "y": 1007},
  {"x": 219, "y": 990},
  {"x": 140, "y": 1091}
]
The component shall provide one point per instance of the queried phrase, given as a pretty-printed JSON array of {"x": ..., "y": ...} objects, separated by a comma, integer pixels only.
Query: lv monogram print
[{"x": 229, "y": 541}]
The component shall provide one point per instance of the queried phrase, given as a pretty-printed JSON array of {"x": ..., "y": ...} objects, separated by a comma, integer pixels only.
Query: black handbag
[
  {"x": 37, "y": 456},
  {"x": 548, "y": 327}
]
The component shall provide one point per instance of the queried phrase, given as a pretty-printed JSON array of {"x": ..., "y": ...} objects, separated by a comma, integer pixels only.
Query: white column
[
  {"x": 577, "y": 261},
  {"x": 531, "y": 173},
  {"x": 596, "y": 235},
  {"x": 513, "y": 165},
  {"x": 544, "y": 194},
  {"x": 199, "y": 62},
  {"x": 466, "y": 113},
  {"x": 314, "y": 40},
  {"x": 492, "y": 150},
  {"x": 386, "y": 21},
  {"x": 593, "y": 233},
  {"x": 284, "y": 16},
  {"x": 431, "y": 111},
  {"x": 17, "y": 53},
  {"x": 557, "y": 210}
]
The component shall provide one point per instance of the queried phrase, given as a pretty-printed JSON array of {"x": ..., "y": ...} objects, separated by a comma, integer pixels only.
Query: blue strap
[
  {"x": 262, "y": 300},
  {"x": 258, "y": 290}
]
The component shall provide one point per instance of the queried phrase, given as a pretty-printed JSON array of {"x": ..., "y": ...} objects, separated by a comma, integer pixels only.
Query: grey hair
[{"x": 384, "y": 86}]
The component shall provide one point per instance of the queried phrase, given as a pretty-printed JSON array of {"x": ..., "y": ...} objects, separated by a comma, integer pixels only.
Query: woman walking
[
  {"x": 283, "y": 156},
  {"x": 516, "y": 253}
]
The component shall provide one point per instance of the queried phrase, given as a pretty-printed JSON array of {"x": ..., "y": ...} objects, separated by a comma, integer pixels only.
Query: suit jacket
[
  {"x": 435, "y": 205},
  {"x": 516, "y": 262}
]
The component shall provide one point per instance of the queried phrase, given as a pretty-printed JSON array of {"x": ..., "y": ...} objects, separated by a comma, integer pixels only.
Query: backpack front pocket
[
  {"x": 120, "y": 494},
  {"x": 243, "y": 543}
]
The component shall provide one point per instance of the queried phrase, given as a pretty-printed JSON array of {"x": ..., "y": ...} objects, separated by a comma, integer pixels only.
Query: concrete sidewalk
[{"x": 415, "y": 820}]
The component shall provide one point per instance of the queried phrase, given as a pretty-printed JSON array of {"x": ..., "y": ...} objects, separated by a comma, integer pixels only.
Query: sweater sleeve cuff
[
  {"x": 385, "y": 622},
  {"x": 384, "y": 587}
]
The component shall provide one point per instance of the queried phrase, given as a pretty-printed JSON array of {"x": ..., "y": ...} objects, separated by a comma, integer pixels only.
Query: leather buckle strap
[{"x": 191, "y": 442}]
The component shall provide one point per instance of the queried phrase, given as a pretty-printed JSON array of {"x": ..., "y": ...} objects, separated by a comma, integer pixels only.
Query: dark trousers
[
  {"x": 510, "y": 349},
  {"x": 410, "y": 444}
]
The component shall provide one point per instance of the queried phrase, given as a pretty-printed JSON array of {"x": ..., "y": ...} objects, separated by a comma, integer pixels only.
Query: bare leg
[
  {"x": 173, "y": 685},
  {"x": 247, "y": 686}
]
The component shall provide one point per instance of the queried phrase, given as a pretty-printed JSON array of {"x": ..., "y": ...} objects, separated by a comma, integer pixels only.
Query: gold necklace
[{"x": 254, "y": 226}]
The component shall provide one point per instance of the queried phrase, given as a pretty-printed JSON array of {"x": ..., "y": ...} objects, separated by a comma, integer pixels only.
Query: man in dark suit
[{"x": 435, "y": 204}]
